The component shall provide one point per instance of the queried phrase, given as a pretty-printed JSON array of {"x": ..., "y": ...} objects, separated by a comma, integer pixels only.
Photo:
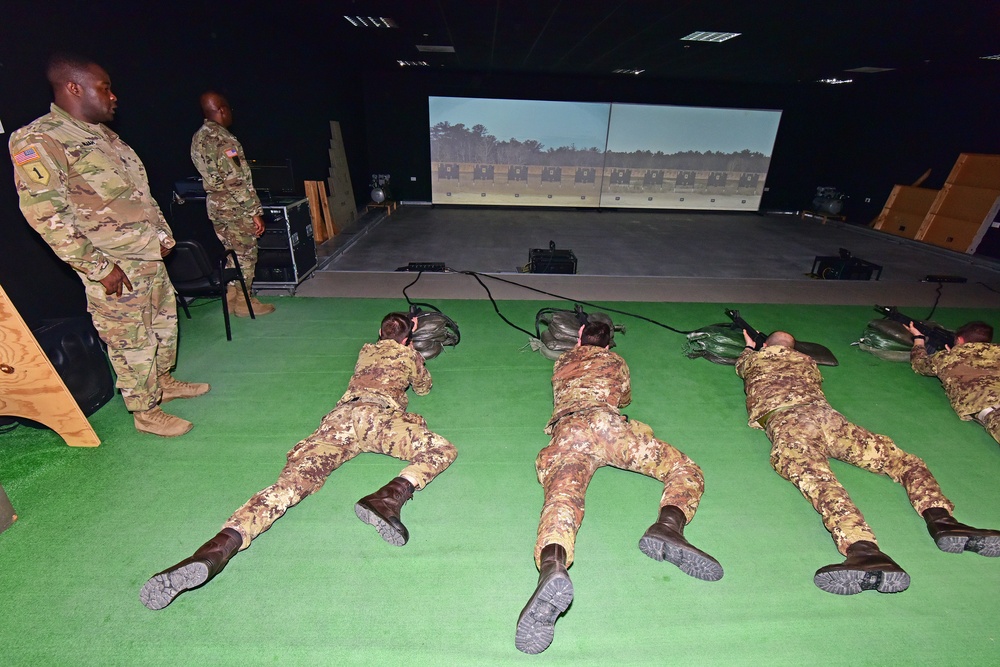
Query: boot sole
[
  {"x": 536, "y": 624},
  {"x": 162, "y": 588},
  {"x": 690, "y": 561},
  {"x": 988, "y": 545},
  {"x": 852, "y": 582},
  {"x": 389, "y": 532}
]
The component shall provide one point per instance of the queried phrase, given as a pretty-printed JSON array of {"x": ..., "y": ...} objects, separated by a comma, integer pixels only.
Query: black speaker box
[
  {"x": 77, "y": 353},
  {"x": 551, "y": 260}
]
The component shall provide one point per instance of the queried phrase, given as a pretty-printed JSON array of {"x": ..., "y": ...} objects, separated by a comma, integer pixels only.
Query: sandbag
[
  {"x": 887, "y": 340},
  {"x": 434, "y": 331},
  {"x": 562, "y": 328}
]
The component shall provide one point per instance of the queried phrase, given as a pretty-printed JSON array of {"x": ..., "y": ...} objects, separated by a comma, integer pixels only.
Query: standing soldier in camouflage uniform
[
  {"x": 590, "y": 383},
  {"x": 370, "y": 417},
  {"x": 969, "y": 373},
  {"x": 85, "y": 192},
  {"x": 785, "y": 399},
  {"x": 233, "y": 206}
]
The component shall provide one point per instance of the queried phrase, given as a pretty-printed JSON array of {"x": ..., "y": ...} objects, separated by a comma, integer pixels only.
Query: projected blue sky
[
  {"x": 674, "y": 129},
  {"x": 633, "y": 127}
]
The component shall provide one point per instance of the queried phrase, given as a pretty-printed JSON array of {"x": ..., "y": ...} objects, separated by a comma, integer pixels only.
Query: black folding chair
[{"x": 194, "y": 275}]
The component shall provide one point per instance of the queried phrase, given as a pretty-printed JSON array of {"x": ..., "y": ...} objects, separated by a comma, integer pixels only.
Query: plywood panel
[
  {"x": 951, "y": 233},
  {"x": 976, "y": 170},
  {"x": 964, "y": 202},
  {"x": 904, "y": 210}
]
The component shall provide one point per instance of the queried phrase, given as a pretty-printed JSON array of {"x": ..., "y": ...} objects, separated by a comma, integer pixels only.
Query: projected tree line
[{"x": 585, "y": 154}]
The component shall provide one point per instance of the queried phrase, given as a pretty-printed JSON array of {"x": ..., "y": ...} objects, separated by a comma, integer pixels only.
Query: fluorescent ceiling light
[
  {"x": 704, "y": 36},
  {"x": 429, "y": 48},
  {"x": 996, "y": 57},
  {"x": 835, "y": 81},
  {"x": 370, "y": 21},
  {"x": 870, "y": 70},
  {"x": 628, "y": 71},
  {"x": 412, "y": 63}
]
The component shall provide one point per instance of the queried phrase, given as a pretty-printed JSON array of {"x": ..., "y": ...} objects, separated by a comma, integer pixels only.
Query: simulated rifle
[
  {"x": 820, "y": 353},
  {"x": 937, "y": 337},
  {"x": 758, "y": 337}
]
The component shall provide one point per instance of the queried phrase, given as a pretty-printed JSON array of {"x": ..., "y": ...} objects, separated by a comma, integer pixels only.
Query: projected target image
[
  {"x": 687, "y": 157},
  {"x": 544, "y": 153},
  {"x": 517, "y": 152}
]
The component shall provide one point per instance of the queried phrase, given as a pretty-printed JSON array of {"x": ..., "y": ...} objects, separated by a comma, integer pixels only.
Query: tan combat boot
[
  {"x": 238, "y": 305},
  {"x": 177, "y": 389},
  {"x": 158, "y": 422}
]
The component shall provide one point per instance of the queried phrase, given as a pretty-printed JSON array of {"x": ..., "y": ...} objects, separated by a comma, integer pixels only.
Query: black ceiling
[{"x": 780, "y": 42}]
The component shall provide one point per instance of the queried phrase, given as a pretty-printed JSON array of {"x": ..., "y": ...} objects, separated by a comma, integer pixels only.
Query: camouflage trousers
[
  {"x": 351, "y": 429},
  {"x": 237, "y": 233},
  {"x": 991, "y": 423},
  {"x": 140, "y": 330},
  {"x": 806, "y": 437},
  {"x": 584, "y": 441}
]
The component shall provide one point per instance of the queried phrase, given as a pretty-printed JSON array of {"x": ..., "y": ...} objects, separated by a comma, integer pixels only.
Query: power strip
[
  {"x": 931, "y": 278},
  {"x": 437, "y": 267}
]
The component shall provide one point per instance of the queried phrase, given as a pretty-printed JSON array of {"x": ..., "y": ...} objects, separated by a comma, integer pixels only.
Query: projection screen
[{"x": 542, "y": 153}]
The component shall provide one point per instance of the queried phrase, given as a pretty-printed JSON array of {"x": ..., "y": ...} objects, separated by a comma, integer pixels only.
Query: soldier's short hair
[
  {"x": 396, "y": 326},
  {"x": 976, "y": 332},
  {"x": 597, "y": 334},
  {"x": 64, "y": 66},
  {"x": 781, "y": 338}
]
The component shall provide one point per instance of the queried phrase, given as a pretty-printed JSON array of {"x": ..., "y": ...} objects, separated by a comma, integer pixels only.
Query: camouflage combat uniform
[
  {"x": 232, "y": 200},
  {"x": 970, "y": 375},
  {"x": 85, "y": 192},
  {"x": 785, "y": 398},
  {"x": 589, "y": 385},
  {"x": 370, "y": 417}
]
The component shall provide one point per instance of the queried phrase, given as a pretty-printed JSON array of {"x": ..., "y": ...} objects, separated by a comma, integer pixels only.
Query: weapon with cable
[
  {"x": 724, "y": 343},
  {"x": 758, "y": 337},
  {"x": 937, "y": 337}
]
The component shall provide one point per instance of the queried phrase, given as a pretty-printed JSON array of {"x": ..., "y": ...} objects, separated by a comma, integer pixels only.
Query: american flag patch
[
  {"x": 231, "y": 152},
  {"x": 29, "y": 154}
]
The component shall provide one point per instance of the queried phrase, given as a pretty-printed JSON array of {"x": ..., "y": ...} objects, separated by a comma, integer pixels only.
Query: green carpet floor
[{"x": 321, "y": 588}]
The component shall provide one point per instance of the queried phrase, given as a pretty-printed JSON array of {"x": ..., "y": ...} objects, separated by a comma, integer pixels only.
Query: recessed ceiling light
[
  {"x": 834, "y": 81},
  {"x": 412, "y": 63},
  {"x": 430, "y": 48},
  {"x": 370, "y": 21},
  {"x": 996, "y": 57},
  {"x": 705, "y": 36},
  {"x": 628, "y": 71},
  {"x": 870, "y": 70}
]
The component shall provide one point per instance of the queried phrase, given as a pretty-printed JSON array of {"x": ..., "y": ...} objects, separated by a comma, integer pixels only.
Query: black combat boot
[
  {"x": 381, "y": 509},
  {"x": 664, "y": 540},
  {"x": 207, "y": 561},
  {"x": 866, "y": 569},
  {"x": 955, "y": 537},
  {"x": 554, "y": 592}
]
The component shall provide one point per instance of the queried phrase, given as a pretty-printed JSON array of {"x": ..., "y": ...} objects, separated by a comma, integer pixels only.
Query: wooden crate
[
  {"x": 951, "y": 233},
  {"x": 905, "y": 210}
]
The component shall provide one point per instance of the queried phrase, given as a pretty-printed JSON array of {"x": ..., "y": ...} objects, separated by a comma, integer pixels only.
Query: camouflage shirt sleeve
[
  {"x": 626, "y": 390},
  {"x": 921, "y": 362},
  {"x": 421, "y": 380},
  {"x": 42, "y": 188},
  {"x": 218, "y": 157},
  {"x": 970, "y": 376}
]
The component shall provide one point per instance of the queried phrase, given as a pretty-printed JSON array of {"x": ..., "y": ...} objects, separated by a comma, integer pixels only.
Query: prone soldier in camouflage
[
  {"x": 85, "y": 192},
  {"x": 233, "y": 205},
  {"x": 785, "y": 399},
  {"x": 590, "y": 383},
  {"x": 371, "y": 416},
  {"x": 969, "y": 373}
]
